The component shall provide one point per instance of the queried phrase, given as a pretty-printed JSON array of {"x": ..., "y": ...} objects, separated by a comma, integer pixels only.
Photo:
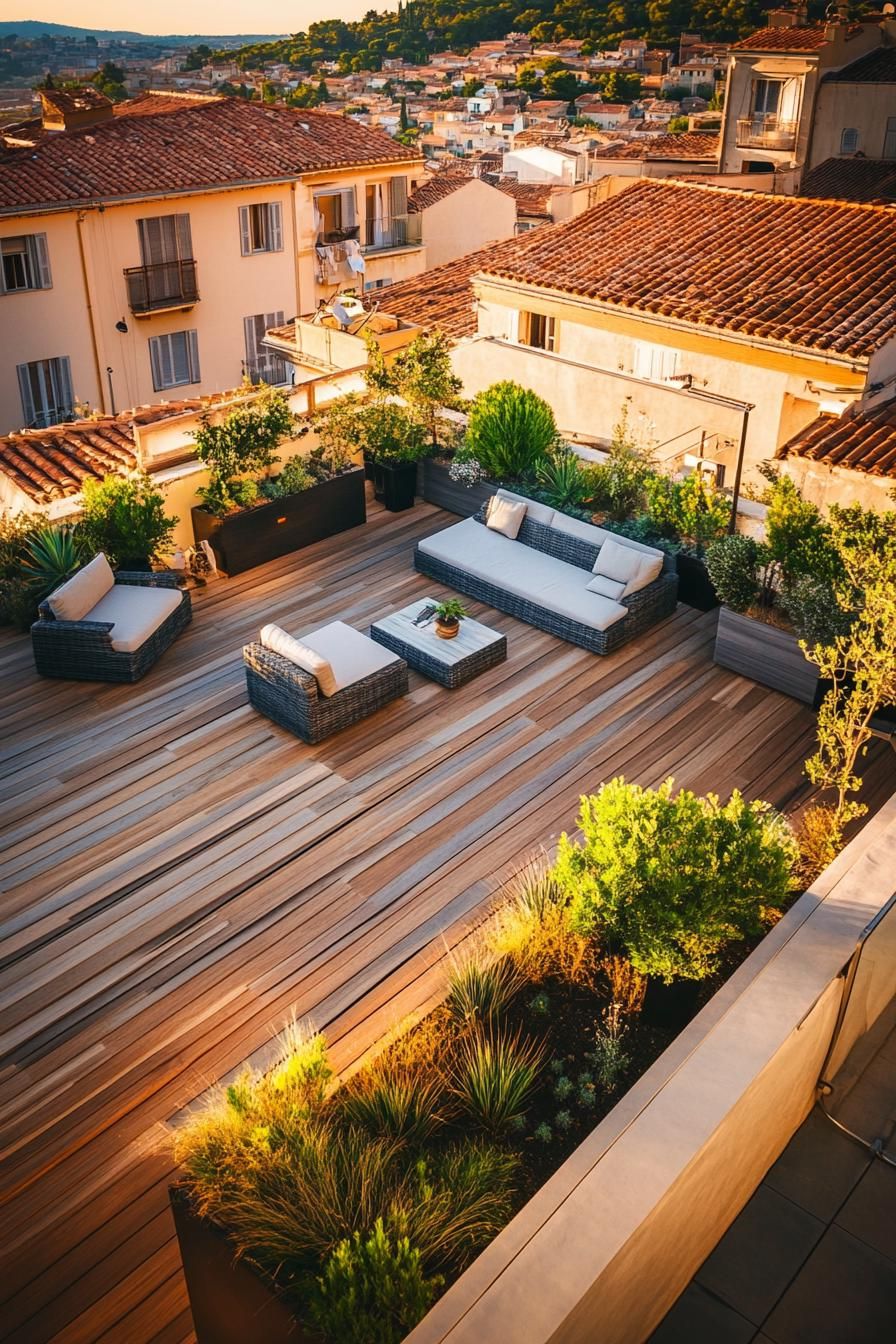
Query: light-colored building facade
[
  {"x": 459, "y": 215},
  {"x": 146, "y": 253},
  {"x": 798, "y": 94}
]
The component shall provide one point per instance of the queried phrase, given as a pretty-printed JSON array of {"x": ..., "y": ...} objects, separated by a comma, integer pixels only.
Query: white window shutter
[
  {"x": 399, "y": 196},
  {"x": 275, "y": 228},
  {"x": 41, "y": 261},
  {"x": 249, "y": 338},
  {"x": 62, "y": 372},
  {"x": 193, "y": 355},
  {"x": 245, "y": 231},
  {"x": 26, "y": 394},
  {"x": 158, "y": 349}
]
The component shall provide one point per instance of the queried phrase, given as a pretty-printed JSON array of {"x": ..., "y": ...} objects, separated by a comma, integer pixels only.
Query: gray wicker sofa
[
  {"x": 547, "y": 589},
  {"x": 122, "y": 624}
]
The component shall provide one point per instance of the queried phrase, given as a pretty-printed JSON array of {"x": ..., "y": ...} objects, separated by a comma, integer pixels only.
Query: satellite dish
[{"x": 889, "y": 10}]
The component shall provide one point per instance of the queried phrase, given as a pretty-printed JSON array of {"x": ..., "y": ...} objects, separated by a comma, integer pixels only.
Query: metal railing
[
  {"x": 765, "y": 130},
  {"x": 167, "y": 284},
  {"x": 390, "y": 231},
  {"x": 272, "y": 370}
]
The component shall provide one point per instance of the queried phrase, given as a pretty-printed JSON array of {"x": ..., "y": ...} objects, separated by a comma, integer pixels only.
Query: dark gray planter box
[
  {"x": 437, "y": 487},
  {"x": 766, "y": 654},
  {"x": 694, "y": 584},
  {"x": 243, "y": 540},
  {"x": 231, "y": 1302}
]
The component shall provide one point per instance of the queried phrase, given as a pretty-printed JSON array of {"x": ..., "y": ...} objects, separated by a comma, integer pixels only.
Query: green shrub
[
  {"x": 244, "y": 492},
  {"x": 670, "y": 879},
  {"x": 797, "y": 536},
  {"x": 294, "y": 477},
  {"x": 244, "y": 442},
  {"x": 733, "y": 565},
  {"x": 373, "y": 1290},
  {"x": 510, "y": 431},
  {"x": 388, "y": 433},
  {"x": 125, "y": 517},
  {"x": 494, "y": 1076},
  {"x": 812, "y": 606},
  {"x": 692, "y": 511},
  {"x": 394, "y": 1101},
  {"x": 17, "y": 606},
  {"x": 617, "y": 487}
]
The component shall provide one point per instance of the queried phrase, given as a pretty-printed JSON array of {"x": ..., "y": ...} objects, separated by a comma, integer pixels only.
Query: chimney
[
  {"x": 70, "y": 109},
  {"x": 797, "y": 17}
]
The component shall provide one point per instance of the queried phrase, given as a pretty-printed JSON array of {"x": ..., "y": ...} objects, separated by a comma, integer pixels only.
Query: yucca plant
[
  {"x": 562, "y": 480},
  {"x": 52, "y": 556},
  {"x": 493, "y": 1077},
  {"x": 479, "y": 990}
]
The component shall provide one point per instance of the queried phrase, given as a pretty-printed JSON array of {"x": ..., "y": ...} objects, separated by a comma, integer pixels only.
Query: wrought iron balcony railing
[
  {"x": 385, "y": 231},
  {"x": 168, "y": 284},
  {"x": 765, "y": 131}
]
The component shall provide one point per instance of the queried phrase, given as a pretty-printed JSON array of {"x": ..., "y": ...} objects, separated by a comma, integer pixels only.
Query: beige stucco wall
[
  {"x": 589, "y": 377},
  {"x": 78, "y": 315},
  {"x": 824, "y": 485},
  {"x": 864, "y": 107},
  {"x": 604, "y": 1248},
  {"x": 468, "y": 219}
]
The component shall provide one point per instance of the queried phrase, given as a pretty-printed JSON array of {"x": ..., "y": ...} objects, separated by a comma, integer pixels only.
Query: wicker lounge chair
[
  {"x": 128, "y": 622},
  {"x": 292, "y": 697},
  {"x": 493, "y": 569}
]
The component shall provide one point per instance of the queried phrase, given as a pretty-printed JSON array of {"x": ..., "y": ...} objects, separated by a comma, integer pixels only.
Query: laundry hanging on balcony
[
  {"x": 354, "y": 256},
  {"x": 326, "y": 264}
]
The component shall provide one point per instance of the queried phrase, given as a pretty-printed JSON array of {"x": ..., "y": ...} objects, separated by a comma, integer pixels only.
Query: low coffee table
[{"x": 451, "y": 662}]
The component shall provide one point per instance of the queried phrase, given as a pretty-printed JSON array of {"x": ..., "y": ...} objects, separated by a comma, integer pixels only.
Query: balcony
[
  {"x": 384, "y": 232},
  {"x": 764, "y": 130},
  {"x": 273, "y": 370},
  {"x": 159, "y": 288}
]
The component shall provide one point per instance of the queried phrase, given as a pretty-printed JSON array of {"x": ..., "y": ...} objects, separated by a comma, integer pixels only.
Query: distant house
[
  {"x": 848, "y": 458},
  {"x": 660, "y": 156},
  {"x": 460, "y": 214}
]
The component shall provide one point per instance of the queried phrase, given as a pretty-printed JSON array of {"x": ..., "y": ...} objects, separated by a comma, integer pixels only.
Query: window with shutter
[
  {"x": 24, "y": 263},
  {"x": 45, "y": 386},
  {"x": 174, "y": 359},
  {"x": 165, "y": 238},
  {"x": 261, "y": 365},
  {"x": 655, "y": 363},
  {"x": 261, "y": 228}
]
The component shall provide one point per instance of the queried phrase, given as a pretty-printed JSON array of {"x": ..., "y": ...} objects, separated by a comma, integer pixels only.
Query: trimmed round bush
[{"x": 510, "y": 431}]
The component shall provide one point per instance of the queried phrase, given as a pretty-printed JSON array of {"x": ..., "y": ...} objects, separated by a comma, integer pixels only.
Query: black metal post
[
  {"x": 735, "y": 493},
  {"x": 111, "y": 388}
]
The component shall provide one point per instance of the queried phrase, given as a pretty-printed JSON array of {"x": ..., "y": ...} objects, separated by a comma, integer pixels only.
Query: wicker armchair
[
  {"x": 290, "y": 696},
  {"x": 82, "y": 650}
]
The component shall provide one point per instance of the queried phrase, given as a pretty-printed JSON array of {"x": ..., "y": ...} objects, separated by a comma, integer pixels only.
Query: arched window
[{"x": 849, "y": 140}]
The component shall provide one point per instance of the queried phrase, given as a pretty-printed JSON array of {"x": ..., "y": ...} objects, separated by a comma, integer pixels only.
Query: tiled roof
[
  {"x": 436, "y": 189},
  {"x": 813, "y": 274},
  {"x": 441, "y": 298},
  {"x": 878, "y": 67},
  {"x": 860, "y": 440},
  {"x": 783, "y": 39},
  {"x": 48, "y": 464},
  {"x": 206, "y": 144},
  {"x": 51, "y": 464},
  {"x": 689, "y": 145},
  {"x": 532, "y": 198},
  {"x": 852, "y": 180},
  {"x": 78, "y": 100}
]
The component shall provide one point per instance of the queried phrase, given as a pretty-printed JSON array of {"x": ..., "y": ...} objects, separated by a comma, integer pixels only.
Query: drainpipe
[{"x": 91, "y": 316}]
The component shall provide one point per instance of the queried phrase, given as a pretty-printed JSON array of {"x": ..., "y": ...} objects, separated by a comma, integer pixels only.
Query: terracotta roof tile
[
  {"x": 441, "y": 298},
  {"x": 689, "y": 145},
  {"x": 532, "y": 198},
  {"x": 436, "y": 189},
  {"x": 50, "y": 464},
  {"x": 852, "y": 180},
  {"x": 803, "y": 273},
  {"x": 783, "y": 39},
  {"x": 205, "y": 144},
  {"x": 860, "y": 440}
]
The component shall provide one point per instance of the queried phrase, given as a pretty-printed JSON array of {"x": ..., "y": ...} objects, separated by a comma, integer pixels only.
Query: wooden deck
[{"x": 178, "y": 875}]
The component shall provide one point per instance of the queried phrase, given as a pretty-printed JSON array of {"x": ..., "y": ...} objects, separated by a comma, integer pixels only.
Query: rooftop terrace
[{"x": 179, "y": 874}]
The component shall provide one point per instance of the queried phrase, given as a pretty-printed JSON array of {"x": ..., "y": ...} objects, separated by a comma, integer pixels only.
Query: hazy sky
[{"x": 191, "y": 16}]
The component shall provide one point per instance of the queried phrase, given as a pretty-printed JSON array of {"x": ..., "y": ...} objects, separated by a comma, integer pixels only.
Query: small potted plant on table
[{"x": 448, "y": 616}]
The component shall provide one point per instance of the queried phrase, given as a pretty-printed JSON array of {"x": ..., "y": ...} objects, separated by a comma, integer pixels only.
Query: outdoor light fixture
[{"x": 122, "y": 326}]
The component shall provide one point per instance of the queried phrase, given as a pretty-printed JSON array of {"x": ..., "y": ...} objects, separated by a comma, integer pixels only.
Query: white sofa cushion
[
  {"x": 135, "y": 613},
  {"x": 537, "y": 513},
  {"x": 79, "y": 594},
  {"x": 606, "y": 587},
  {"x": 350, "y": 654},
  {"x": 575, "y": 527},
  {"x": 635, "y": 569},
  {"x": 504, "y": 516},
  {"x": 522, "y": 571},
  {"x": 276, "y": 639}
]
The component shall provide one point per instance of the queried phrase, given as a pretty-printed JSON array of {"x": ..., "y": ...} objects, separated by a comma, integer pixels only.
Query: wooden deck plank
[{"x": 179, "y": 874}]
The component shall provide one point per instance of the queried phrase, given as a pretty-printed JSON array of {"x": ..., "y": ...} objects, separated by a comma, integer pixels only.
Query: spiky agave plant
[
  {"x": 480, "y": 988},
  {"x": 405, "y": 1103},
  {"x": 52, "y": 555}
]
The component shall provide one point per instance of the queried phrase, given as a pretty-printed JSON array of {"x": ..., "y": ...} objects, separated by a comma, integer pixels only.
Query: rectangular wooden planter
[
  {"x": 437, "y": 487},
  {"x": 766, "y": 654},
  {"x": 231, "y": 1302},
  {"x": 243, "y": 540}
]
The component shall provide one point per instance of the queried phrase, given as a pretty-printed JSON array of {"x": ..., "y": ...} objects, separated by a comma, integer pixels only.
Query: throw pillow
[
  {"x": 614, "y": 561},
  {"x": 80, "y": 594},
  {"x": 649, "y": 569},
  {"x": 505, "y": 517},
  {"x": 294, "y": 651},
  {"x": 606, "y": 587}
]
